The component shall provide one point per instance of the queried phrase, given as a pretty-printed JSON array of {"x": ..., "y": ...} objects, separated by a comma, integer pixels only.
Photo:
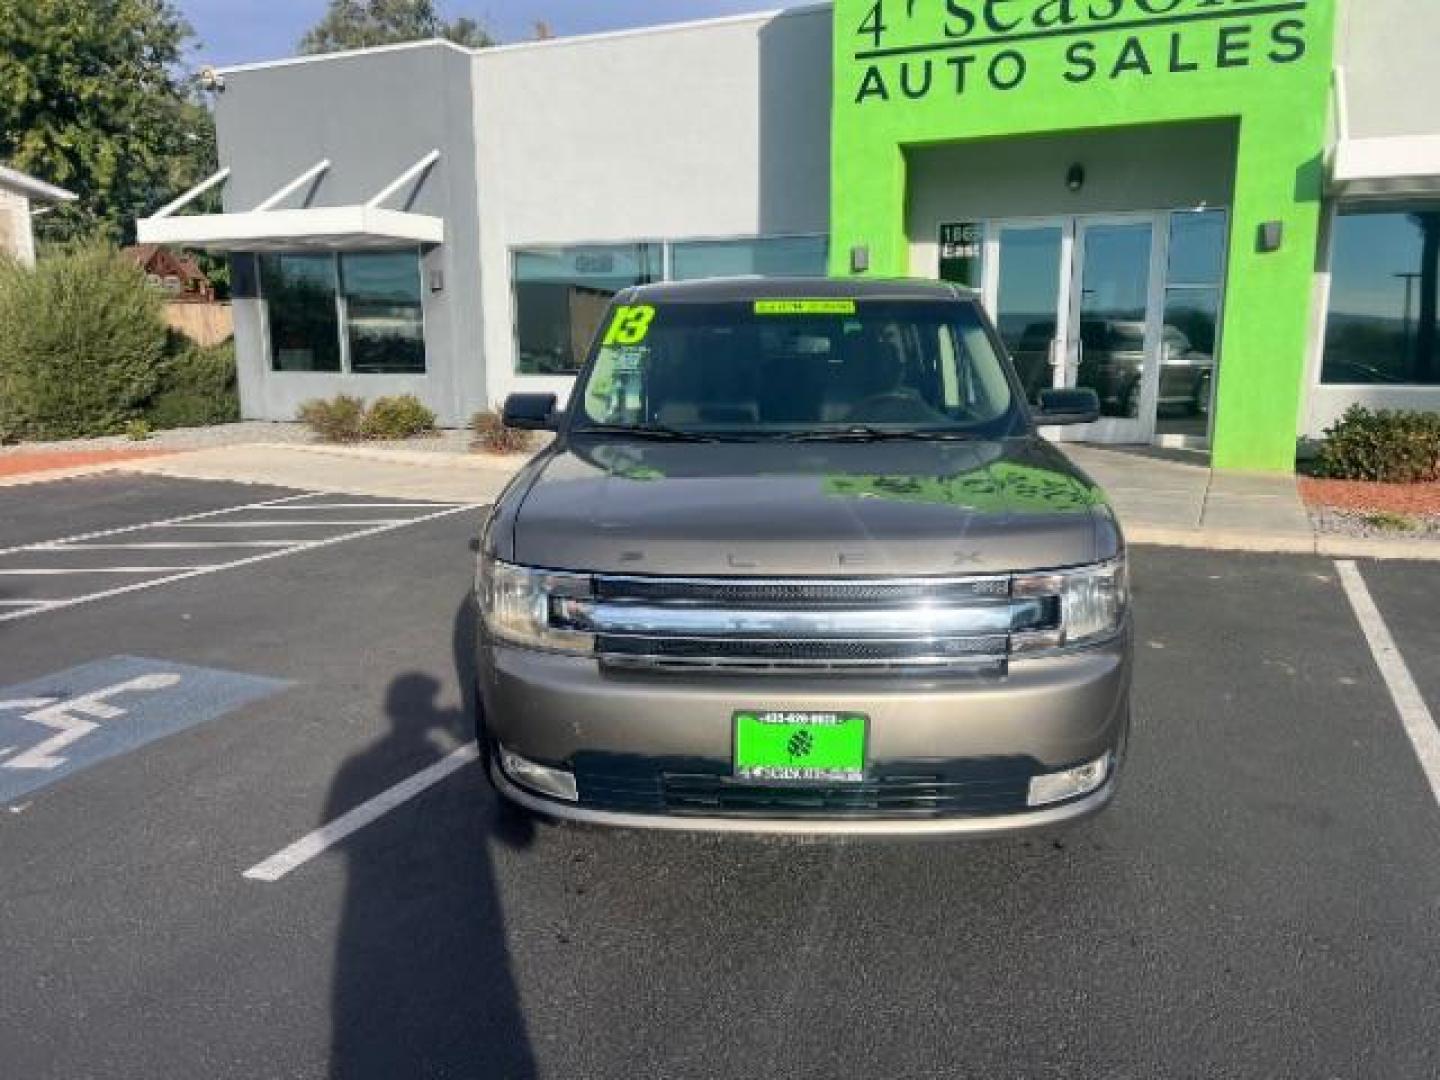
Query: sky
[{"x": 241, "y": 31}]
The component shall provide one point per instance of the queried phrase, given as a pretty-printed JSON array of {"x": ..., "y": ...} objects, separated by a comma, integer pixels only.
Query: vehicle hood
[{"x": 764, "y": 508}]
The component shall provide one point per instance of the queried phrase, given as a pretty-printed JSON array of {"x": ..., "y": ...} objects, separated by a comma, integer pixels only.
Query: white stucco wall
[
  {"x": 717, "y": 129},
  {"x": 1387, "y": 48},
  {"x": 1392, "y": 84}
]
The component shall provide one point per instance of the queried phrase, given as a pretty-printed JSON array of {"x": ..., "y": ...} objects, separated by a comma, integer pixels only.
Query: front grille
[
  {"x": 800, "y": 593},
  {"x": 867, "y": 626},
  {"x": 898, "y": 794},
  {"x": 747, "y": 653}
]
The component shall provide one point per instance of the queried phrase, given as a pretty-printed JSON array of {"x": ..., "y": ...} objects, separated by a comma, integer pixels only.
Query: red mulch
[
  {"x": 1359, "y": 495},
  {"x": 26, "y": 461}
]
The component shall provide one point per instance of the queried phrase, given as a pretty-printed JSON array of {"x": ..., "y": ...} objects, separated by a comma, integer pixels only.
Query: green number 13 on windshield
[{"x": 630, "y": 325}]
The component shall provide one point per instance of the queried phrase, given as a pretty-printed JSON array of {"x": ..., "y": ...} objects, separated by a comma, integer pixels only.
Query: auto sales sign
[{"x": 924, "y": 50}]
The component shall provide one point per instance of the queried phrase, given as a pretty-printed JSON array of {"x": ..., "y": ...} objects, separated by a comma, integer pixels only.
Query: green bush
[
  {"x": 493, "y": 436},
  {"x": 138, "y": 430},
  {"x": 397, "y": 418},
  {"x": 337, "y": 419},
  {"x": 1397, "y": 447},
  {"x": 82, "y": 344},
  {"x": 197, "y": 388}
]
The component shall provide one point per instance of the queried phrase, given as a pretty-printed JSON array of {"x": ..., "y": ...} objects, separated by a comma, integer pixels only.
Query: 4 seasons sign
[{"x": 916, "y": 49}]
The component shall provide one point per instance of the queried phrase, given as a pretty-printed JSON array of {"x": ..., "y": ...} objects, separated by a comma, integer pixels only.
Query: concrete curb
[
  {"x": 42, "y": 476},
  {"x": 433, "y": 459}
]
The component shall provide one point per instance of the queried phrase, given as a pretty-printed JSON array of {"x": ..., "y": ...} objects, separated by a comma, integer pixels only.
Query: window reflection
[
  {"x": 304, "y": 324},
  {"x": 1187, "y": 361},
  {"x": 1382, "y": 326},
  {"x": 1114, "y": 297},
  {"x": 561, "y": 295},
  {"x": 1027, "y": 302},
  {"x": 383, "y": 313}
]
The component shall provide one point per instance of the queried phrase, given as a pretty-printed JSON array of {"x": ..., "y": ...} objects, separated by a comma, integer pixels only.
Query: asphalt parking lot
[{"x": 1263, "y": 900}]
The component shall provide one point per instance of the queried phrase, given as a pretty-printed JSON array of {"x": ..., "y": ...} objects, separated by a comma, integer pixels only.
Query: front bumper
[
  {"x": 975, "y": 827},
  {"x": 945, "y": 755}
]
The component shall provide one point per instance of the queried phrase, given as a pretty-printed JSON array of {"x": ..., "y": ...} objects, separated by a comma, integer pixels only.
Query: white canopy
[
  {"x": 1408, "y": 165},
  {"x": 366, "y": 226},
  {"x": 1379, "y": 166}
]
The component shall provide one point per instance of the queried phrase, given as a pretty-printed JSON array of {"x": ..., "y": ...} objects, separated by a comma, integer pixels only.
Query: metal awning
[
  {"x": 361, "y": 227},
  {"x": 1390, "y": 166},
  {"x": 1379, "y": 166}
]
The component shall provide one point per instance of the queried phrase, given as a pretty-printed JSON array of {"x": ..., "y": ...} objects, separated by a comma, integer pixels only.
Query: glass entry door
[
  {"x": 1113, "y": 339},
  {"x": 1078, "y": 302},
  {"x": 1028, "y": 296}
]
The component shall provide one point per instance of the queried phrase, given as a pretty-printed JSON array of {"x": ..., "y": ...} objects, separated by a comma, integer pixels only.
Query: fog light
[
  {"x": 557, "y": 783},
  {"x": 1081, "y": 780}
]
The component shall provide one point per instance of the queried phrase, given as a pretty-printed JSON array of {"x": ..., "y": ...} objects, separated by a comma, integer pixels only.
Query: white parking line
[
  {"x": 174, "y": 545},
  {"x": 264, "y": 556},
  {"x": 63, "y": 571},
  {"x": 327, "y": 836},
  {"x": 1415, "y": 715},
  {"x": 357, "y": 506},
  {"x": 287, "y": 524},
  {"x": 101, "y": 533}
]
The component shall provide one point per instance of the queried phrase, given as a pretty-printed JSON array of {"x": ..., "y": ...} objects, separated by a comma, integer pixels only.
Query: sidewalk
[
  {"x": 1167, "y": 499},
  {"x": 1171, "y": 499},
  {"x": 386, "y": 472}
]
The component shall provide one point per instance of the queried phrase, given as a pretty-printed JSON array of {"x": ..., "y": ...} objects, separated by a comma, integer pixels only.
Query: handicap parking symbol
[{"x": 58, "y": 725}]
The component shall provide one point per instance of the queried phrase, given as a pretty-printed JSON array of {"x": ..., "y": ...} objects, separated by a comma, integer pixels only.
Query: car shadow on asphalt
[{"x": 423, "y": 983}]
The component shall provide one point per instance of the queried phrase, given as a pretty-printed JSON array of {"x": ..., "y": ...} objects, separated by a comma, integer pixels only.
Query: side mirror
[
  {"x": 1066, "y": 408},
  {"x": 531, "y": 412}
]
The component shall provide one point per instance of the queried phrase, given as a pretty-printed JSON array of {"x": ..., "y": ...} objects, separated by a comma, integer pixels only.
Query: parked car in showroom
[{"x": 797, "y": 559}]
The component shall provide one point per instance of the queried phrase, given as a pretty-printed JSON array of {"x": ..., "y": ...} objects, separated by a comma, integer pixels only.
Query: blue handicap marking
[{"x": 63, "y": 723}]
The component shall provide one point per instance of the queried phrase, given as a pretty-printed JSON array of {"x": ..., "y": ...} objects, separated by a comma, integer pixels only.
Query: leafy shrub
[
  {"x": 1397, "y": 447},
  {"x": 493, "y": 436},
  {"x": 197, "y": 388},
  {"x": 397, "y": 418},
  {"x": 137, "y": 430},
  {"x": 337, "y": 419},
  {"x": 82, "y": 344}
]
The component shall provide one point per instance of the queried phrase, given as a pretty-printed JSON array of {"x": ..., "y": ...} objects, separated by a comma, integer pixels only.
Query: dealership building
[{"x": 1223, "y": 215}]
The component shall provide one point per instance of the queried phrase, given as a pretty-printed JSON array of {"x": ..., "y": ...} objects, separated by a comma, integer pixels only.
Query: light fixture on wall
[{"x": 1075, "y": 178}]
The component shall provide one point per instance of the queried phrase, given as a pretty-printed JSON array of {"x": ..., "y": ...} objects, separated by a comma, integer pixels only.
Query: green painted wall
[{"x": 921, "y": 72}]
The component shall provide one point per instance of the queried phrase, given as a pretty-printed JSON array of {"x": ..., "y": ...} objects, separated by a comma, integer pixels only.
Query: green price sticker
[
  {"x": 804, "y": 307},
  {"x": 630, "y": 325}
]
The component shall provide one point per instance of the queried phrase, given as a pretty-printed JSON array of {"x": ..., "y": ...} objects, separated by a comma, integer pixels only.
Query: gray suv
[{"x": 797, "y": 561}]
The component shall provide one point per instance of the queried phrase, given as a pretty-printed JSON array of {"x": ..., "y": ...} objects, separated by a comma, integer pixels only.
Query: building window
[
  {"x": 766, "y": 256},
  {"x": 302, "y": 308},
  {"x": 356, "y": 312},
  {"x": 384, "y": 323},
  {"x": 1190, "y": 345},
  {"x": 561, "y": 295},
  {"x": 1382, "y": 327}
]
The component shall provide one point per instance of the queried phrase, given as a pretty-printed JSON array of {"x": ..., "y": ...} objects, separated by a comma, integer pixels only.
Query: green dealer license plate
[{"x": 815, "y": 747}]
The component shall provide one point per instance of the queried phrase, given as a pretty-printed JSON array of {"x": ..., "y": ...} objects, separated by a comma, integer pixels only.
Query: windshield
[{"x": 786, "y": 367}]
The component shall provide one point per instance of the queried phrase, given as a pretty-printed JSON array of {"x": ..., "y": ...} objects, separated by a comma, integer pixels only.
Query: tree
[
  {"x": 363, "y": 24},
  {"x": 99, "y": 103}
]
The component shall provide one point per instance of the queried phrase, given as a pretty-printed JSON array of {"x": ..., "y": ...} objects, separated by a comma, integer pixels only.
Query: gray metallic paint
[
  {"x": 608, "y": 504},
  {"x": 639, "y": 507}
]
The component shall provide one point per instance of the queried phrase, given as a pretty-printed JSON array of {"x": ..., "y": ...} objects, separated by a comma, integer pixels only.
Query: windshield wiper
[
  {"x": 665, "y": 434},
  {"x": 865, "y": 433}
]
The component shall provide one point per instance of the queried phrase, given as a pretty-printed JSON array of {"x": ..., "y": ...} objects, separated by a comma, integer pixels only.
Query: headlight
[
  {"x": 519, "y": 605},
  {"x": 1085, "y": 606}
]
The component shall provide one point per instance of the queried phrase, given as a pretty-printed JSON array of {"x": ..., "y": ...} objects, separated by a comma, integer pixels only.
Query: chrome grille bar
[{"x": 805, "y": 624}]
